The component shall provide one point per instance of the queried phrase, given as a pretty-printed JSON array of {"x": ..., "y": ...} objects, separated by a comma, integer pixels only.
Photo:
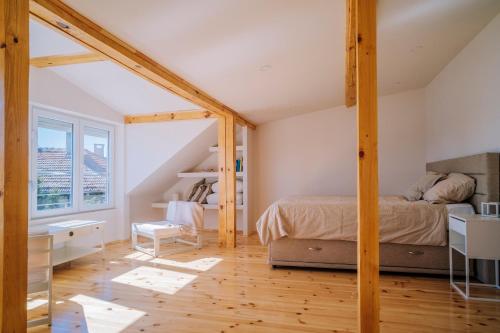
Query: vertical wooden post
[
  {"x": 368, "y": 226},
  {"x": 230, "y": 182},
  {"x": 227, "y": 181},
  {"x": 14, "y": 64},
  {"x": 222, "y": 179},
  {"x": 350, "y": 56}
]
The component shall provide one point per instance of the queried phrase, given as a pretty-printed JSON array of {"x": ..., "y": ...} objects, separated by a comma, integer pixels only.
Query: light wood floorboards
[{"x": 234, "y": 290}]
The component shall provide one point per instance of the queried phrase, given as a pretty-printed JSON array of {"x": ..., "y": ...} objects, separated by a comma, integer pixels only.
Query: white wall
[
  {"x": 156, "y": 152},
  {"x": 463, "y": 101},
  {"x": 50, "y": 90},
  {"x": 315, "y": 153},
  {"x": 150, "y": 145}
]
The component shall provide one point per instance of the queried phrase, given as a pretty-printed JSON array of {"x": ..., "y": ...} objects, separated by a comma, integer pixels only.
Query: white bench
[{"x": 182, "y": 218}]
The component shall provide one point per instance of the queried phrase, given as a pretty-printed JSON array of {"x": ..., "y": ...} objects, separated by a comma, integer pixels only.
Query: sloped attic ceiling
[
  {"x": 269, "y": 59},
  {"x": 106, "y": 81}
]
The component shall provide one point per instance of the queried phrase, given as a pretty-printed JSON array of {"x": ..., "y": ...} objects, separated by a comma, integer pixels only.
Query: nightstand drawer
[
  {"x": 457, "y": 225},
  {"x": 75, "y": 232}
]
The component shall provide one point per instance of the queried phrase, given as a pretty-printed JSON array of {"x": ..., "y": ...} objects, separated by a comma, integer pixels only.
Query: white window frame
[
  {"x": 111, "y": 144},
  {"x": 79, "y": 123}
]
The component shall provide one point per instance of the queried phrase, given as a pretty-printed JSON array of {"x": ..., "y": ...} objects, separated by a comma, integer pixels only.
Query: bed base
[{"x": 335, "y": 254}]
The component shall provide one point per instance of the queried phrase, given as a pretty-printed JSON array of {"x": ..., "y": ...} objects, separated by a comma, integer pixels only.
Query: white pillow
[
  {"x": 239, "y": 186},
  {"x": 457, "y": 187},
  {"x": 213, "y": 199}
]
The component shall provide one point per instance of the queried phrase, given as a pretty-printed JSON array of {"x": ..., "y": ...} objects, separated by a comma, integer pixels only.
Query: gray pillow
[
  {"x": 457, "y": 187},
  {"x": 417, "y": 190},
  {"x": 203, "y": 197},
  {"x": 194, "y": 190},
  {"x": 199, "y": 192}
]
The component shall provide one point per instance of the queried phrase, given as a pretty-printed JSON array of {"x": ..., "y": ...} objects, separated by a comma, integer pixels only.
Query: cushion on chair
[{"x": 158, "y": 229}]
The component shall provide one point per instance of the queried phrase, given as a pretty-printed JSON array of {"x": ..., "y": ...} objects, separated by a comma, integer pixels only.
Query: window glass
[
  {"x": 96, "y": 178},
  {"x": 54, "y": 164}
]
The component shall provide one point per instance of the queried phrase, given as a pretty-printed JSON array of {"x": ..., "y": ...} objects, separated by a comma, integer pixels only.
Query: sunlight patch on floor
[
  {"x": 102, "y": 316},
  {"x": 35, "y": 303},
  {"x": 156, "y": 279},
  {"x": 203, "y": 264}
]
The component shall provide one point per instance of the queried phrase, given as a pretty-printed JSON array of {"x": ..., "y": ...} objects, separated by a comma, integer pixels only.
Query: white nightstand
[{"x": 476, "y": 237}]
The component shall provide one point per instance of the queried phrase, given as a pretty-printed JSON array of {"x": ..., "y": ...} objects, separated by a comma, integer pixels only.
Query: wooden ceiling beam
[
  {"x": 63, "y": 18},
  {"x": 350, "y": 55},
  {"x": 167, "y": 116},
  {"x": 69, "y": 59}
]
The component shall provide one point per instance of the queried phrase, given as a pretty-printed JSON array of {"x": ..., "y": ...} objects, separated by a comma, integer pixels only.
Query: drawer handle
[
  {"x": 415, "y": 253},
  {"x": 314, "y": 249},
  {"x": 71, "y": 233}
]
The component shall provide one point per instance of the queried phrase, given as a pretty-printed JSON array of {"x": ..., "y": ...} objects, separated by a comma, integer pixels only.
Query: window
[
  {"x": 95, "y": 174},
  {"x": 71, "y": 164},
  {"x": 54, "y": 167}
]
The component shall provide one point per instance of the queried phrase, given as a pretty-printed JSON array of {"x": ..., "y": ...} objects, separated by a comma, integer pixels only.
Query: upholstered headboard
[{"x": 484, "y": 168}]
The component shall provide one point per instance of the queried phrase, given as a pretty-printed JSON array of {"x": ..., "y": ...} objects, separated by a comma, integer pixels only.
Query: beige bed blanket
[{"x": 335, "y": 218}]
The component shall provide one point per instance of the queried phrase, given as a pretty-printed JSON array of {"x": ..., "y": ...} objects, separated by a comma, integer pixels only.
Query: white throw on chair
[{"x": 183, "y": 218}]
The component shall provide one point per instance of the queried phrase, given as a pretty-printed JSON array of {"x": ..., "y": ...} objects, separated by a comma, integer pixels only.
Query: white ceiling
[{"x": 269, "y": 59}]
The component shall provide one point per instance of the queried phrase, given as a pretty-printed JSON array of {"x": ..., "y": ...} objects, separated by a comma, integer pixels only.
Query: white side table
[
  {"x": 69, "y": 238},
  {"x": 476, "y": 237}
]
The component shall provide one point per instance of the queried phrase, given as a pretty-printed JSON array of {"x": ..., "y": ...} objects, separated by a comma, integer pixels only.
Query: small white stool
[{"x": 181, "y": 216}]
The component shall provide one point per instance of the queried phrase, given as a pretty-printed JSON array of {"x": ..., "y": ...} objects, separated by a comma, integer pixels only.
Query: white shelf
[
  {"x": 159, "y": 204},
  {"x": 203, "y": 174},
  {"x": 216, "y": 149},
  {"x": 207, "y": 206},
  {"x": 69, "y": 253},
  {"x": 38, "y": 287}
]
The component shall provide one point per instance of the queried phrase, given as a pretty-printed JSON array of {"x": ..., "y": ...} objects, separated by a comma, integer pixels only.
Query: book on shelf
[{"x": 239, "y": 165}]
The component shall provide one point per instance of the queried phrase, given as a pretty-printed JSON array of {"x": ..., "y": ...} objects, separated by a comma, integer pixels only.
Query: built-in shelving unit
[
  {"x": 164, "y": 205},
  {"x": 242, "y": 154},
  {"x": 216, "y": 149},
  {"x": 203, "y": 174},
  {"x": 210, "y": 163},
  {"x": 208, "y": 206}
]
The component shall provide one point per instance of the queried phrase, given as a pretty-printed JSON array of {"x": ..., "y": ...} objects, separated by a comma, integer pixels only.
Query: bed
[{"x": 299, "y": 231}]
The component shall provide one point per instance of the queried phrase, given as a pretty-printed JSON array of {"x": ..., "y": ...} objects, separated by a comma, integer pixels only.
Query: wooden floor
[{"x": 220, "y": 290}]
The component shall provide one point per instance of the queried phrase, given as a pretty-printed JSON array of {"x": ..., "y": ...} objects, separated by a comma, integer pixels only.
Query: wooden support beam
[
  {"x": 70, "y": 59},
  {"x": 367, "y": 119},
  {"x": 227, "y": 181},
  {"x": 350, "y": 56},
  {"x": 230, "y": 182},
  {"x": 243, "y": 122},
  {"x": 65, "y": 19},
  {"x": 14, "y": 145},
  {"x": 222, "y": 180},
  {"x": 168, "y": 116}
]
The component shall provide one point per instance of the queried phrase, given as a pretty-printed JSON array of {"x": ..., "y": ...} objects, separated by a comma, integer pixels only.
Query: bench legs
[
  {"x": 155, "y": 251},
  {"x": 134, "y": 238},
  {"x": 156, "y": 244}
]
